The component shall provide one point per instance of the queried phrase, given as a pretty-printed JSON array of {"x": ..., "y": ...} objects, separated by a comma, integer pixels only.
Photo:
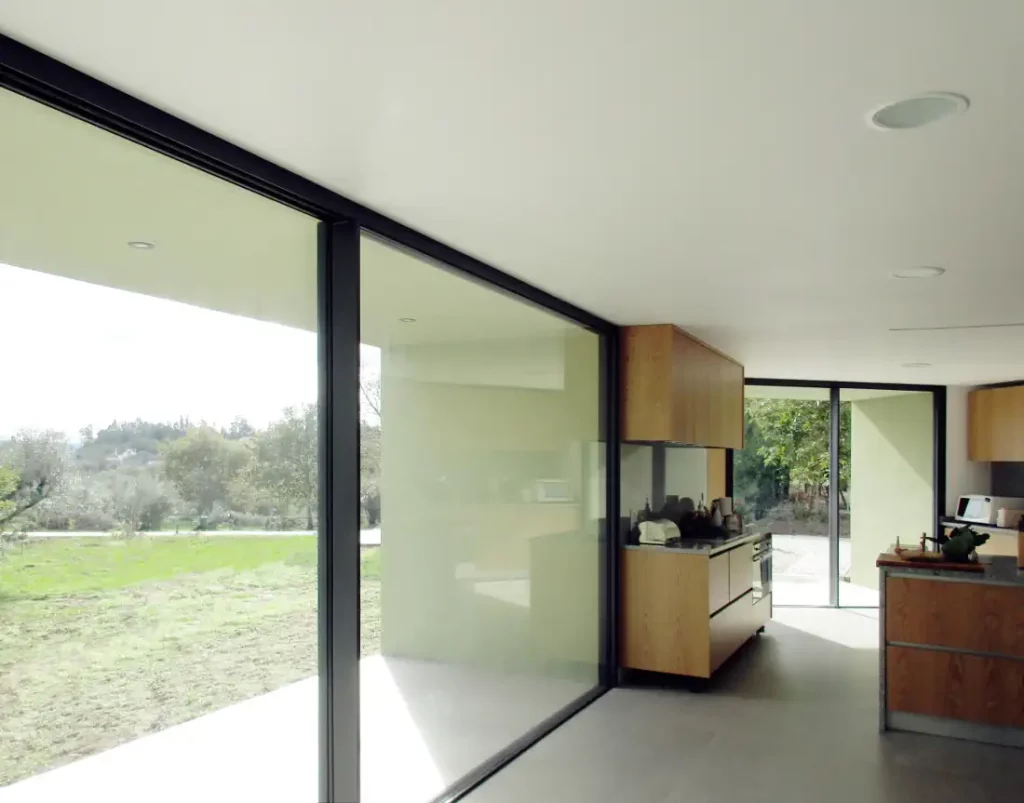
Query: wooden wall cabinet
[
  {"x": 676, "y": 389},
  {"x": 995, "y": 424}
]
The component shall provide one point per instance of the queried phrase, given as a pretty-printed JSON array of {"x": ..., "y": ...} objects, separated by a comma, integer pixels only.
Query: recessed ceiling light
[
  {"x": 407, "y": 320},
  {"x": 142, "y": 245},
  {"x": 918, "y": 111},
  {"x": 919, "y": 272},
  {"x": 917, "y": 365}
]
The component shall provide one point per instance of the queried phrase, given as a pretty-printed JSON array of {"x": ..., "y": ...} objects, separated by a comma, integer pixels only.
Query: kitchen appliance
[
  {"x": 1008, "y": 517},
  {"x": 978, "y": 509},
  {"x": 658, "y": 532},
  {"x": 762, "y": 567}
]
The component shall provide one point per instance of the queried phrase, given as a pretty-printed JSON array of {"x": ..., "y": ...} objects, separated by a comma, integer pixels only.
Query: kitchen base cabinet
[
  {"x": 685, "y": 613},
  {"x": 952, "y": 651}
]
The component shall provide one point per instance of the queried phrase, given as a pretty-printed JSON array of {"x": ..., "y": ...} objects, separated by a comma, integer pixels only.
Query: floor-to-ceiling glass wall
[
  {"x": 158, "y": 476},
  {"x": 880, "y": 444},
  {"x": 781, "y": 485},
  {"x": 483, "y": 489}
]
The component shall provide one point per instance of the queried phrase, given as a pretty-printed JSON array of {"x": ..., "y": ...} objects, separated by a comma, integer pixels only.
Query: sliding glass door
[
  {"x": 781, "y": 486},
  {"x": 836, "y": 474}
]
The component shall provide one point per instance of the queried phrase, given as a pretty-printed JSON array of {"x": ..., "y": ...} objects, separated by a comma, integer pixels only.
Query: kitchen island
[
  {"x": 952, "y": 650},
  {"x": 686, "y": 608}
]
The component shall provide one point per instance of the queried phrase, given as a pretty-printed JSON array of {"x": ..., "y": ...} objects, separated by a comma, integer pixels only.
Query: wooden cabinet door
[
  {"x": 685, "y": 383},
  {"x": 677, "y": 390},
  {"x": 647, "y": 391},
  {"x": 732, "y": 404},
  {"x": 718, "y": 582},
  {"x": 1011, "y": 427},
  {"x": 995, "y": 424},
  {"x": 979, "y": 426},
  {"x": 961, "y": 616},
  {"x": 663, "y": 618},
  {"x": 741, "y": 570},
  {"x": 730, "y": 629},
  {"x": 974, "y": 688}
]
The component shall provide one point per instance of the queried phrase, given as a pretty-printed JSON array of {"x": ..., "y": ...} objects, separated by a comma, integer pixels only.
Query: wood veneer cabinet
[
  {"x": 995, "y": 424},
  {"x": 685, "y": 613},
  {"x": 949, "y": 685},
  {"x": 952, "y": 652},
  {"x": 676, "y": 389}
]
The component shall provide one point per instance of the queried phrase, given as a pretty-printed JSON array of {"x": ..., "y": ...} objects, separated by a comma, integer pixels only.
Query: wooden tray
[{"x": 944, "y": 565}]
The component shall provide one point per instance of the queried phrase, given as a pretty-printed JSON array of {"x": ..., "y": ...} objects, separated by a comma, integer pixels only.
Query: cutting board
[{"x": 944, "y": 565}]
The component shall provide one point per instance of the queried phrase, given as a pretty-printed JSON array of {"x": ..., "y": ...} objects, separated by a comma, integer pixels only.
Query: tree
[
  {"x": 758, "y": 485},
  {"x": 369, "y": 471},
  {"x": 239, "y": 429},
  {"x": 795, "y": 436},
  {"x": 139, "y": 502},
  {"x": 369, "y": 448},
  {"x": 203, "y": 466},
  {"x": 286, "y": 460},
  {"x": 35, "y": 465},
  {"x": 369, "y": 392}
]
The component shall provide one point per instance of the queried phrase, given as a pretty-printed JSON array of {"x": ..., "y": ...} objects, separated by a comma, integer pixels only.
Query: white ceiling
[
  {"x": 73, "y": 196},
  {"x": 703, "y": 163}
]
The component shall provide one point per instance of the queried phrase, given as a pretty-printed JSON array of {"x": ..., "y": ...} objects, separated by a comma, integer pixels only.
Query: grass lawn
[{"x": 103, "y": 640}]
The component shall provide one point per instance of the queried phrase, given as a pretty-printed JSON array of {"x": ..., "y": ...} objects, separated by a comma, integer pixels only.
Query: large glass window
[
  {"x": 158, "y": 476},
  {"x": 483, "y": 502},
  {"x": 824, "y": 548},
  {"x": 781, "y": 486}
]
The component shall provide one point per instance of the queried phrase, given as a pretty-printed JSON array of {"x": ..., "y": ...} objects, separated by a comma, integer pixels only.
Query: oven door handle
[{"x": 760, "y": 556}]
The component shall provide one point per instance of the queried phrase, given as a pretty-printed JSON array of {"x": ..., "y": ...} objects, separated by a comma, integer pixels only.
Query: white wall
[
  {"x": 891, "y": 477},
  {"x": 962, "y": 475}
]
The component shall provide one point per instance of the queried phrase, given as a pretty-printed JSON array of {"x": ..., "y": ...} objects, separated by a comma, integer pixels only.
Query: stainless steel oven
[{"x": 762, "y": 566}]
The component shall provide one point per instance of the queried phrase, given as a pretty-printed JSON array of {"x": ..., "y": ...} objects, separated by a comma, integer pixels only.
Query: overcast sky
[{"x": 76, "y": 354}]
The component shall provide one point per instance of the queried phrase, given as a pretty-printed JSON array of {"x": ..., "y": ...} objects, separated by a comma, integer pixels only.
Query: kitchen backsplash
[
  {"x": 1007, "y": 480},
  {"x": 686, "y": 474}
]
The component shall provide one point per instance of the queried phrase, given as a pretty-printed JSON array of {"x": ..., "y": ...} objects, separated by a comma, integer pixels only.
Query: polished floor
[{"x": 793, "y": 718}]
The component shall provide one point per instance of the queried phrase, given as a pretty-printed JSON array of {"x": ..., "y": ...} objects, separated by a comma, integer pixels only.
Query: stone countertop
[
  {"x": 999, "y": 570},
  {"x": 946, "y": 521},
  {"x": 701, "y": 547}
]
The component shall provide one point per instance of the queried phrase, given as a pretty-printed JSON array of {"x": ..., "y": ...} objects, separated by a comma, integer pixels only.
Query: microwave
[{"x": 979, "y": 509}]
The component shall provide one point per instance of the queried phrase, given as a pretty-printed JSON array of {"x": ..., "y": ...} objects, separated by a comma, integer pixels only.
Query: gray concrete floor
[{"x": 793, "y": 718}]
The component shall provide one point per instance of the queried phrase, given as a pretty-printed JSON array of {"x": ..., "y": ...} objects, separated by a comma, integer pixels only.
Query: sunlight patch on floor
[{"x": 849, "y": 628}]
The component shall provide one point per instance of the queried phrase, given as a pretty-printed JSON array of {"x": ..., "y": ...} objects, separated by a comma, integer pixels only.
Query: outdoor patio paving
[{"x": 800, "y": 568}]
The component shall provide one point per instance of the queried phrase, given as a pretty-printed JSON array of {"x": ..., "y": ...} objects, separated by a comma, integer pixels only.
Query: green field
[{"x": 103, "y": 640}]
